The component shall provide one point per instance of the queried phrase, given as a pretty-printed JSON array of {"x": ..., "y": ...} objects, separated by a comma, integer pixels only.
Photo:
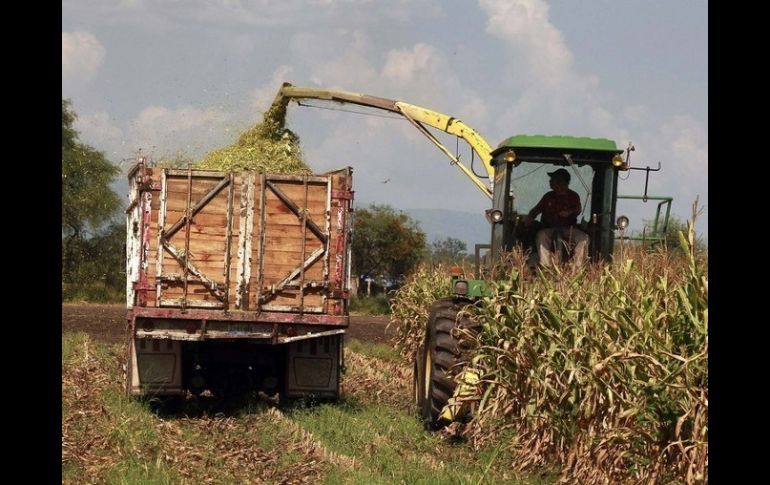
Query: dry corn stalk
[{"x": 602, "y": 370}]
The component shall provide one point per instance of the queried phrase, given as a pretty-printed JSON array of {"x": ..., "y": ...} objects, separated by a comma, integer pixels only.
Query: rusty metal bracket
[
  {"x": 343, "y": 194},
  {"x": 647, "y": 169},
  {"x": 339, "y": 294}
]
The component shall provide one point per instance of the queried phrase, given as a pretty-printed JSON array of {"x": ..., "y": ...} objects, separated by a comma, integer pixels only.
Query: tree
[
  {"x": 88, "y": 204},
  {"x": 386, "y": 243},
  {"x": 95, "y": 266},
  {"x": 87, "y": 199},
  {"x": 447, "y": 250},
  {"x": 675, "y": 226}
]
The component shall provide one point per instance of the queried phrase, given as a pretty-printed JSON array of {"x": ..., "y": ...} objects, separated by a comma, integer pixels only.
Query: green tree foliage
[
  {"x": 672, "y": 241},
  {"x": 677, "y": 225},
  {"x": 94, "y": 269},
  {"x": 92, "y": 243},
  {"x": 447, "y": 250},
  {"x": 87, "y": 200},
  {"x": 386, "y": 243}
]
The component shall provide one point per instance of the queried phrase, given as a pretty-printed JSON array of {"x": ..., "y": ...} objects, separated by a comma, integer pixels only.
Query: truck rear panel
[{"x": 249, "y": 257}]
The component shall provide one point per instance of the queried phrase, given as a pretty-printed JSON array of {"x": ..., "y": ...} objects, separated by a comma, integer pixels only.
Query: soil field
[
  {"x": 371, "y": 435},
  {"x": 107, "y": 323}
]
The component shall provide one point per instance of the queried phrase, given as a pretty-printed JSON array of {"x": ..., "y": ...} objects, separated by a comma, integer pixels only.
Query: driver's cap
[{"x": 561, "y": 174}]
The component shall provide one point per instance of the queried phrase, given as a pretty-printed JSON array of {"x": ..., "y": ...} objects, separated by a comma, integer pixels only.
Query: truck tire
[{"x": 440, "y": 353}]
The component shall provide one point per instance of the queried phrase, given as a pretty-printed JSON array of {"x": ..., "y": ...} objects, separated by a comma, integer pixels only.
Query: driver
[{"x": 560, "y": 208}]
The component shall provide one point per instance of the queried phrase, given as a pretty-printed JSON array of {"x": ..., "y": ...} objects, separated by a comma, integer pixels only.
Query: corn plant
[
  {"x": 410, "y": 306},
  {"x": 602, "y": 371}
]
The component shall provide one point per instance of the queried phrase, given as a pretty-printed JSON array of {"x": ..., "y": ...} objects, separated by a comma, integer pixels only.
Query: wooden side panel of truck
[{"x": 218, "y": 260}]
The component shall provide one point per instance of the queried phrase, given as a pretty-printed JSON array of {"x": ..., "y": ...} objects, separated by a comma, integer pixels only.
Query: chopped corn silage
[{"x": 268, "y": 146}]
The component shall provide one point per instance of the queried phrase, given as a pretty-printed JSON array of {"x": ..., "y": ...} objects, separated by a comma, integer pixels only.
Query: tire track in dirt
[
  {"x": 103, "y": 433},
  {"x": 370, "y": 380}
]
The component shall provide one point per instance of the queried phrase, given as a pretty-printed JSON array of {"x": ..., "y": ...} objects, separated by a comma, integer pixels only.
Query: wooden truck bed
[{"x": 257, "y": 253}]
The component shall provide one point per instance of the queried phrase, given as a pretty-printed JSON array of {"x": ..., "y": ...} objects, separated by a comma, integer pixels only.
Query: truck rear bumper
[{"x": 266, "y": 327}]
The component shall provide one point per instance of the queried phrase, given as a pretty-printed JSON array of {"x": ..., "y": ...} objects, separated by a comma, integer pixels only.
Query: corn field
[{"x": 601, "y": 371}]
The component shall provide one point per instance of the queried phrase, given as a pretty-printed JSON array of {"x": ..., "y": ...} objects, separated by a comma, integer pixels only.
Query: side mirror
[{"x": 622, "y": 223}]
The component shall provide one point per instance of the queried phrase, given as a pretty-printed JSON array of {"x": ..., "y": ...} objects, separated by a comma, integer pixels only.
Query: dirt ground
[{"x": 107, "y": 323}]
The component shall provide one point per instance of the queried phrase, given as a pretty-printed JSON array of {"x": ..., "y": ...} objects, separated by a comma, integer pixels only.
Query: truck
[
  {"x": 236, "y": 282},
  {"x": 515, "y": 176}
]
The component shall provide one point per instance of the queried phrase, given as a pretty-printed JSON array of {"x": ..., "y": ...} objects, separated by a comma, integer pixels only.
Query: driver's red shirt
[{"x": 552, "y": 203}]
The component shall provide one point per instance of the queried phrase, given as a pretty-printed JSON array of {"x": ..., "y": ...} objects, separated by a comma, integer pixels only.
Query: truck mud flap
[
  {"x": 313, "y": 367},
  {"x": 156, "y": 367}
]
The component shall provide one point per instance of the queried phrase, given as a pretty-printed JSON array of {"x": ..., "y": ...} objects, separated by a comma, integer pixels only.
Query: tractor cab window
[
  {"x": 522, "y": 182},
  {"x": 530, "y": 181}
]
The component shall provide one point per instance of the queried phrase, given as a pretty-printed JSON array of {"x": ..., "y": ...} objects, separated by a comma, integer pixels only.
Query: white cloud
[
  {"x": 680, "y": 144},
  {"x": 378, "y": 148},
  {"x": 688, "y": 141},
  {"x": 420, "y": 74},
  {"x": 636, "y": 114},
  {"x": 552, "y": 96},
  {"x": 424, "y": 71},
  {"x": 160, "y": 118},
  {"x": 160, "y": 131},
  {"x": 524, "y": 26},
  {"x": 403, "y": 65},
  {"x": 81, "y": 56},
  {"x": 100, "y": 131},
  {"x": 340, "y": 59},
  {"x": 347, "y": 59}
]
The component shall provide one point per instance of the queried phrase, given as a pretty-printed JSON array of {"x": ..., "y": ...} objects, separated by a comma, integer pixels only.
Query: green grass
[
  {"x": 132, "y": 471},
  {"x": 371, "y": 349},
  {"x": 370, "y": 305},
  {"x": 126, "y": 429},
  {"x": 122, "y": 441},
  {"x": 112, "y": 439},
  {"x": 137, "y": 430},
  {"x": 72, "y": 345},
  {"x": 393, "y": 447}
]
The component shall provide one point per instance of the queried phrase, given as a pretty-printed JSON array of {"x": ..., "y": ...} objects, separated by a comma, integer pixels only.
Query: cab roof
[{"x": 558, "y": 142}]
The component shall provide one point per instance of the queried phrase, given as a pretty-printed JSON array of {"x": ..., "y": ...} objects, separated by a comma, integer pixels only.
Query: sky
[{"x": 182, "y": 77}]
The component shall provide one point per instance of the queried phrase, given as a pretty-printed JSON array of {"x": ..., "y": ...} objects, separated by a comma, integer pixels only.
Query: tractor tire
[
  {"x": 418, "y": 380},
  {"x": 437, "y": 359}
]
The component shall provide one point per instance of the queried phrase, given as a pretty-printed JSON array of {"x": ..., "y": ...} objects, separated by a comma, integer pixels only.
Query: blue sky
[{"x": 178, "y": 76}]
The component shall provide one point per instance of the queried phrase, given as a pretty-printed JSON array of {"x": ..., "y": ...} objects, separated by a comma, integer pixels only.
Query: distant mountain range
[{"x": 442, "y": 223}]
